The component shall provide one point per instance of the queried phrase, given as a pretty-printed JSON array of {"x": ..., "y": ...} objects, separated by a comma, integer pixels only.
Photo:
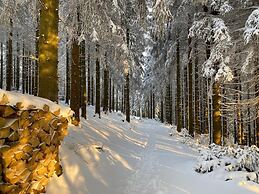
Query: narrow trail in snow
[{"x": 147, "y": 178}]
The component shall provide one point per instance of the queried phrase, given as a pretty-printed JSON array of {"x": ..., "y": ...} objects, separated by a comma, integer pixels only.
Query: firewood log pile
[{"x": 29, "y": 146}]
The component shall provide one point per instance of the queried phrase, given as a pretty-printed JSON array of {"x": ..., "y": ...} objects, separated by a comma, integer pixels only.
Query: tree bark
[
  {"x": 68, "y": 73},
  {"x": 190, "y": 96},
  {"x": 127, "y": 95},
  {"x": 83, "y": 80},
  {"x": 217, "y": 133},
  {"x": 162, "y": 109},
  {"x": 23, "y": 70},
  {"x": 113, "y": 97},
  {"x": 9, "y": 66},
  {"x": 106, "y": 81},
  {"x": 89, "y": 77},
  {"x": 17, "y": 84},
  {"x": 92, "y": 91},
  {"x": 97, "y": 83},
  {"x": 75, "y": 80},
  {"x": 48, "y": 49},
  {"x": 168, "y": 104},
  {"x": 2, "y": 66},
  {"x": 110, "y": 95},
  {"x": 36, "y": 73},
  {"x": 178, "y": 87},
  {"x": 154, "y": 106}
]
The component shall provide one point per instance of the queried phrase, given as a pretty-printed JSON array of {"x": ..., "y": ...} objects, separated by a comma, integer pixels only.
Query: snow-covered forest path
[
  {"x": 161, "y": 160},
  {"x": 137, "y": 158},
  {"x": 166, "y": 167}
]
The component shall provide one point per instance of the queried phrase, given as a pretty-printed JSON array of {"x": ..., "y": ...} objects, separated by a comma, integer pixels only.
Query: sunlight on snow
[{"x": 249, "y": 186}]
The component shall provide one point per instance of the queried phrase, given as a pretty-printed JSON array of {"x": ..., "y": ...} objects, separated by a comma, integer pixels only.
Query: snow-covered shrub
[
  {"x": 225, "y": 8},
  {"x": 207, "y": 161},
  {"x": 231, "y": 159},
  {"x": 247, "y": 159}
]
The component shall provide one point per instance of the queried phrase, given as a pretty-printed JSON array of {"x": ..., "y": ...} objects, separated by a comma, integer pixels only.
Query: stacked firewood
[{"x": 29, "y": 147}]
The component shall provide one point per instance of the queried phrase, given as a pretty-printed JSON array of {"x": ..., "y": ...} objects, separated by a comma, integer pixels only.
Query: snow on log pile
[{"x": 31, "y": 130}]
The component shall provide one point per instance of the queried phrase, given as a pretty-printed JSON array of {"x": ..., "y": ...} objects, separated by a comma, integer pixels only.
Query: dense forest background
[{"x": 189, "y": 63}]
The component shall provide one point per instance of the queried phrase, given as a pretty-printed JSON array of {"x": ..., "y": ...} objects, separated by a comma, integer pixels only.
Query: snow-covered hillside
[{"x": 109, "y": 156}]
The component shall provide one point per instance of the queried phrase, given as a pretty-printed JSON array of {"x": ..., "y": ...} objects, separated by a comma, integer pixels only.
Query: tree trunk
[
  {"x": 9, "y": 66},
  {"x": 97, "y": 83},
  {"x": 162, "y": 109},
  {"x": 197, "y": 91},
  {"x": 29, "y": 73},
  {"x": 151, "y": 105},
  {"x": 190, "y": 99},
  {"x": 122, "y": 100},
  {"x": 83, "y": 80},
  {"x": 106, "y": 81},
  {"x": 2, "y": 66},
  {"x": 92, "y": 91},
  {"x": 113, "y": 97},
  {"x": 23, "y": 70},
  {"x": 89, "y": 78},
  {"x": 110, "y": 95},
  {"x": 117, "y": 99},
  {"x": 154, "y": 106},
  {"x": 18, "y": 65},
  {"x": 75, "y": 80},
  {"x": 36, "y": 73},
  {"x": 217, "y": 133},
  {"x": 168, "y": 104},
  {"x": 68, "y": 73},
  {"x": 48, "y": 49},
  {"x": 178, "y": 86},
  {"x": 127, "y": 95}
]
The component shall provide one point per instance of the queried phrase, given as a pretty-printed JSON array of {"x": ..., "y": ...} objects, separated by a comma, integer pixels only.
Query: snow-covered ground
[{"x": 109, "y": 156}]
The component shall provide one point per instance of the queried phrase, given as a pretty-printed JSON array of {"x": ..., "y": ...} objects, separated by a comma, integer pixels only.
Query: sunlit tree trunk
[
  {"x": 48, "y": 49},
  {"x": 217, "y": 133},
  {"x": 68, "y": 73},
  {"x": 36, "y": 73}
]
